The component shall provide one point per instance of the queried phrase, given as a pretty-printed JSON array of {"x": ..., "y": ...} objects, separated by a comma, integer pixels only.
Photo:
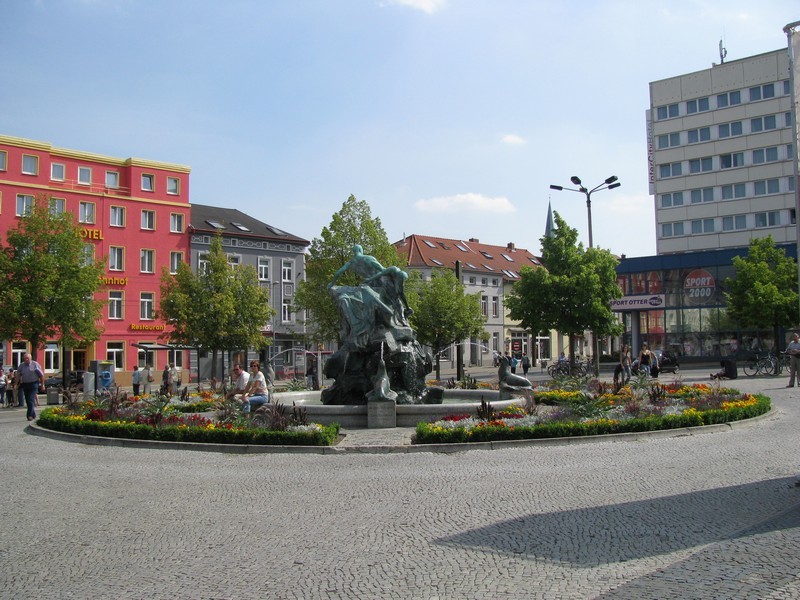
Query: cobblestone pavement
[{"x": 715, "y": 515}]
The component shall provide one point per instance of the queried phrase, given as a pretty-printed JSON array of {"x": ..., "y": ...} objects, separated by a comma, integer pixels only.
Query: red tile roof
[{"x": 435, "y": 252}]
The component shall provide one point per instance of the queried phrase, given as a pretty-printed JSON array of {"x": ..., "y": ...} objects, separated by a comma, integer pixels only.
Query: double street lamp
[{"x": 609, "y": 184}]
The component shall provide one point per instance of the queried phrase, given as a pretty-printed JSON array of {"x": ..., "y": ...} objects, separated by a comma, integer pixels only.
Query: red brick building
[{"x": 134, "y": 213}]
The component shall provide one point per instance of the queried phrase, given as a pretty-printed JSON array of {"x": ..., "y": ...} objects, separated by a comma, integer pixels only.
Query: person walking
[
  {"x": 793, "y": 350},
  {"x": 147, "y": 378},
  {"x": 10, "y": 378},
  {"x": 165, "y": 389},
  {"x": 3, "y": 383},
  {"x": 526, "y": 364},
  {"x": 135, "y": 379},
  {"x": 645, "y": 360},
  {"x": 173, "y": 379},
  {"x": 31, "y": 376},
  {"x": 625, "y": 363}
]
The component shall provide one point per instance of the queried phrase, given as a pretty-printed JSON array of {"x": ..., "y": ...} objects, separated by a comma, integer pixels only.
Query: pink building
[{"x": 134, "y": 214}]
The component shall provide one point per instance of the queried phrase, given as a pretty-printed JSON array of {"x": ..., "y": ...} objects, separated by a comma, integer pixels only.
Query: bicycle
[
  {"x": 783, "y": 362},
  {"x": 766, "y": 364}
]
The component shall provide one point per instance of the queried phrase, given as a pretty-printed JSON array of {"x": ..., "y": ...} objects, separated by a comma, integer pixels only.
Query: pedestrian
[
  {"x": 645, "y": 360},
  {"x": 526, "y": 364},
  {"x": 147, "y": 378},
  {"x": 165, "y": 389},
  {"x": 311, "y": 373},
  {"x": 793, "y": 350},
  {"x": 514, "y": 363},
  {"x": 255, "y": 393},
  {"x": 173, "y": 379},
  {"x": 3, "y": 383},
  {"x": 135, "y": 379},
  {"x": 10, "y": 388},
  {"x": 625, "y": 363},
  {"x": 31, "y": 375}
]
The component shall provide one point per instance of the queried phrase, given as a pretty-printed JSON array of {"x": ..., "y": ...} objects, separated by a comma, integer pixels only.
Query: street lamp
[{"x": 609, "y": 184}]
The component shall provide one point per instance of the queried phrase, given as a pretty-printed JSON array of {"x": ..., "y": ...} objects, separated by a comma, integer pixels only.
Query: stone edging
[{"x": 34, "y": 429}]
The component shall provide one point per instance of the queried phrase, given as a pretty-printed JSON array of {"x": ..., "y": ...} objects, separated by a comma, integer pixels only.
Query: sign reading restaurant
[{"x": 643, "y": 302}]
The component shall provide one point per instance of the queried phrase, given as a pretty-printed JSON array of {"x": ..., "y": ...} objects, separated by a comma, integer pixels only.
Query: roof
[
  {"x": 435, "y": 252},
  {"x": 232, "y": 221}
]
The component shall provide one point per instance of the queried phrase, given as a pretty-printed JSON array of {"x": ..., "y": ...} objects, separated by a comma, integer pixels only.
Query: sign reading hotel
[
  {"x": 643, "y": 302},
  {"x": 699, "y": 287}
]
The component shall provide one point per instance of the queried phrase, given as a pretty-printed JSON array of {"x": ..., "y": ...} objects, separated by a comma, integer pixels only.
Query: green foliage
[
  {"x": 763, "y": 293},
  {"x": 221, "y": 308},
  {"x": 573, "y": 293},
  {"x": 46, "y": 280},
  {"x": 443, "y": 313},
  {"x": 352, "y": 225}
]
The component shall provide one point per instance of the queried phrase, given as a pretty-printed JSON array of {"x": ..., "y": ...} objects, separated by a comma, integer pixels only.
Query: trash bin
[
  {"x": 730, "y": 368},
  {"x": 52, "y": 396},
  {"x": 105, "y": 379}
]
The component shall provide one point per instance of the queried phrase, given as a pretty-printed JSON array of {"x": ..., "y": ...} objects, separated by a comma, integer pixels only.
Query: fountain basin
[{"x": 456, "y": 402}]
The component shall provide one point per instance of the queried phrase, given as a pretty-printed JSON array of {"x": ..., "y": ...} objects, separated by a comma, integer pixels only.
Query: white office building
[{"x": 721, "y": 146}]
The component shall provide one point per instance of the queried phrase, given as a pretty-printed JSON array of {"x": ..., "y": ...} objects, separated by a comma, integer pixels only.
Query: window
[
  {"x": 786, "y": 88},
  {"x": 84, "y": 176},
  {"x": 57, "y": 171},
  {"x": 671, "y": 229},
  {"x": 115, "y": 352},
  {"x": 202, "y": 263},
  {"x": 699, "y": 135},
  {"x": 240, "y": 226},
  {"x": 703, "y": 226},
  {"x": 733, "y": 191},
  {"x": 24, "y": 205},
  {"x": 787, "y": 117},
  {"x": 704, "y": 195},
  {"x": 117, "y": 218},
  {"x": 670, "y": 170},
  {"x": 485, "y": 306},
  {"x": 263, "y": 268},
  {"x": 472, "y": 280},
  {"x": 484, "y": 281},
  {"x": 30, "y": 164},
  {"x": 116, "y": 258},
  {"x": 733, "y": 223},
  {"x": 148, "y": 183},
  {"x": 772, "y": 154},
  {"x": 86, "y": 212},
  {"x": 115, "y": 305},
  {"x": 146, "y": 303},
  {"x": 52, "y": 357},
  {"x": 233, "y": 260},
  {"x": 667, "y": 112},
  {"x": 755, "y": 93},
  {"x": 768, "y": 219},
  {"x": 287, "y": 270},
  {"x": 699, "y": 105},
  {"x": 669, "y": 140},
  {"x": 149, "y": 219},
  {"x": 112, "y": 179},
  {"x": 429, "y": 243},
  {"x": 495, "y": 306},
  {"x": 728, "y": 161},
  {"x": 773, "y": 186},
  {"x": 87, "y": 254},
  {"x": 286, "y": 311},
  {"x": 673, "y": 199},
  {"x": 146, "y": 260},
  {"x": 173, "y": 186},
  {"x": 700, "y": 165},
  {"x": 3, "y": 160},
  {"x": 763, "y": 123},
  {"x": 57, "y": 206},
  {"x": 768, "y": 90},
  {"x": 176, "y": 223},
  {"x": 175, "y": 260}
]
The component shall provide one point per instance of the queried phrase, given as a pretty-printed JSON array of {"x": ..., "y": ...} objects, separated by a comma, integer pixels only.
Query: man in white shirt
[{"x": 242, "y": 378}]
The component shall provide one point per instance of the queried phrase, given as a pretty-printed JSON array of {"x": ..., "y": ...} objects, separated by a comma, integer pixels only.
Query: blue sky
[{"x": 450, "y": 117}]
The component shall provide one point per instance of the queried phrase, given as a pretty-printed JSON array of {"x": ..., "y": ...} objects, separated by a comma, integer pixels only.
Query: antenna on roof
[{"x": 723, "y": 52}]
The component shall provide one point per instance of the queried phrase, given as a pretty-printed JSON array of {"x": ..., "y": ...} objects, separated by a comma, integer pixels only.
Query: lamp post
[{"x": 609, "y": 184}]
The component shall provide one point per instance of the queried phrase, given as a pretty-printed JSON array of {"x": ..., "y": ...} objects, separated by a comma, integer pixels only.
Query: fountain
[{"x": 380, "y": 368}]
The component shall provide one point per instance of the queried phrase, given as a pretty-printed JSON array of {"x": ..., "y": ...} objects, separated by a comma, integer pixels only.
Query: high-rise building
[{"x": 721, "y": 149}]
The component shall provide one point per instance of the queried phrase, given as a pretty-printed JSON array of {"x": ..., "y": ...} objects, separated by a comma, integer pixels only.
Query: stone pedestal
[{"x": 381, "y": 414}]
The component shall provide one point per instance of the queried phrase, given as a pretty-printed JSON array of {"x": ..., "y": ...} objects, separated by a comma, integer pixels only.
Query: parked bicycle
[{"x": 764, "y": 363}]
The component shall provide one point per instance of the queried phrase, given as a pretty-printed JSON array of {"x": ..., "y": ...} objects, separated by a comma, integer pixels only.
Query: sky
[{"x": 451, "y": 118}]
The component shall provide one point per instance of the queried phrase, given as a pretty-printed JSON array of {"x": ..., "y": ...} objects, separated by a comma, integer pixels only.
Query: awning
[{"x": 156, "y": 346}]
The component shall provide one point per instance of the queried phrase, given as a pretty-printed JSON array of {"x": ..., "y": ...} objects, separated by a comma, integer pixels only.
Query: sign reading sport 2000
[
  {"x": 646, "y": 302},
  {"x": 699, "y": 287}
]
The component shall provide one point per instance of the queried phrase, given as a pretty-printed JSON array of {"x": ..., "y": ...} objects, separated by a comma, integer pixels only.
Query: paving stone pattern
[{"x": 714, "y": 515}]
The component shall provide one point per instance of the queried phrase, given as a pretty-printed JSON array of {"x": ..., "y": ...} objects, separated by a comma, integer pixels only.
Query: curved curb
[{"x": 34, "y": 429}]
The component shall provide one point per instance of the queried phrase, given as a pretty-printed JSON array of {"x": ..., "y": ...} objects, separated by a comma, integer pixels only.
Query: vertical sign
[{"x": 651, "y": 167}]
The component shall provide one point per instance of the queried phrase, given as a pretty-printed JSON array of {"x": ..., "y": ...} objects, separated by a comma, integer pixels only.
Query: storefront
[{"x": 676, "y": 302}]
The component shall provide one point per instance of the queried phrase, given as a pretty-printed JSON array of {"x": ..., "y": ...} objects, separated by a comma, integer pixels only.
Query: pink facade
[{"x": 133, "y": 212}]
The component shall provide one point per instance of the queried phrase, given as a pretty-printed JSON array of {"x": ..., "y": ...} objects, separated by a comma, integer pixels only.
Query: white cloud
[
  {"x": 426, "y": 6},
  {"x": 475, "y": 203},
  {"x": 513, "y": 139}
]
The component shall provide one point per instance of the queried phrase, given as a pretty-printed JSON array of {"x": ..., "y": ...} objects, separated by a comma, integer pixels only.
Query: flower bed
[
  {"x": 637, "y": 408},
  {"x": 159, "y": 419}
]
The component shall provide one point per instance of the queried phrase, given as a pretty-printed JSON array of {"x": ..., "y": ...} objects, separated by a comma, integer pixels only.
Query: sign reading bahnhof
[{"x": 644, "y": 302}]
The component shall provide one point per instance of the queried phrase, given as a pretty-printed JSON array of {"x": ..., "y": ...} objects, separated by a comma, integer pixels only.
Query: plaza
[{"x": 709, "y": 515}]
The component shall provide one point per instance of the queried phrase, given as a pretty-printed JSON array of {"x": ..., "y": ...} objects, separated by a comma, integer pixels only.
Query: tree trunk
[{"x": 438, "y": 370}]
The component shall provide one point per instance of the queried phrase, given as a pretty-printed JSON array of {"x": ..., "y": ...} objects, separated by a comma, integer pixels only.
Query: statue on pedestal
[{"x": 377, "y": 339}]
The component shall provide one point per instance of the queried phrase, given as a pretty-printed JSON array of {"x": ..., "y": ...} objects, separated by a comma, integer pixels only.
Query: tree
[
  {"x": 572, "y": 293},
  {"x": 764, "y": 292},
  {"x": 47, "y": 286},
  {"x": 222, "y": 307},
  {"x": 352, "y": 225},
  {"x": 443, "y": 313}
]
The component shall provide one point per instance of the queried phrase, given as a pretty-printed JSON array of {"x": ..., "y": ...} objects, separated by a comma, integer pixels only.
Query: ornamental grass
[{"x": 640, "y": 407}]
